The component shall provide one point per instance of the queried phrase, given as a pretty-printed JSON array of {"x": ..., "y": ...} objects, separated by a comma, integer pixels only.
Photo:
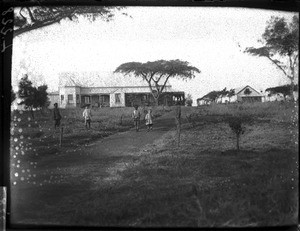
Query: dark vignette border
[{"x": 7, "y": 21}]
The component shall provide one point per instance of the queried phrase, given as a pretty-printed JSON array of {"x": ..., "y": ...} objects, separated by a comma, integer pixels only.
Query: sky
[{"x": 211, "y": 39}]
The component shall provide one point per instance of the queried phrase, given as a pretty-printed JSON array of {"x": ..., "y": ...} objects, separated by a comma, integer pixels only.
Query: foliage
[
  {"x": 31, "y": 18},
  {"x": 32, "y": 97},
  {"x": 236, "y": 123},
  {"x": 230, "y": 93},
  {"x": 224, "y": 92},
  {"x": 284, "y": 89},
  {"x": 280, "y": 45},
  {"x": 212, "y": 96},
  {"x": 189, "y": 100},
  {"x": 26, "y": 92},
  {"x": 12, "y": 95},
  {"x": 157, "y": 73},
  {"x": 247, "y": 91},
  {"x": 42, "y": 96}
]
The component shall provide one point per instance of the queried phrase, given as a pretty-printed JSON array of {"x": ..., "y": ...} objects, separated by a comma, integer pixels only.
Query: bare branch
[
  {"x": 276, "y": 63},
  {"x": 30, "y": 14},
  {"x": 34, "y": 26},
  {"x": 20, "y": 12},
  {"x": 295, "y": 60},
  {"x": 163, "y": 87}
]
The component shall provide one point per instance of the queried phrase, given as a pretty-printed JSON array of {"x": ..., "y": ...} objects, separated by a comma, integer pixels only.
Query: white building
[
  {"x": 241, "y": 94},
  {"x": 72, "y": 94}
]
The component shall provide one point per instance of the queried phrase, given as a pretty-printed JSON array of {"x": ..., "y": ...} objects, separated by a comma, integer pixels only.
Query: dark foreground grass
[{"x": 204, "y": 183}]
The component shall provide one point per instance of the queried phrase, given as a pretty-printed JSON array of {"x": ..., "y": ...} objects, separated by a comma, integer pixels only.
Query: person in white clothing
[
  {"x": 136, "y": 118},
  {"x": 148, "y": 118},
  {"x": 87, "y": 115}
]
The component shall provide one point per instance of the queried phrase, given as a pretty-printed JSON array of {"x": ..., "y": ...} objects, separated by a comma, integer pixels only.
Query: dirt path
[
  {"x": 131, "y": 141},
  {"x": 72, "y": 173},
  {"x": 126, "y": 144}
]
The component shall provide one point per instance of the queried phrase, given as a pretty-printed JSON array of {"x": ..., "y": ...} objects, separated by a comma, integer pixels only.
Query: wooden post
[
  {"x": 61, "y": 136},
  {"x": 121, "y": 120},
  {"x": 178, "y": 123}
]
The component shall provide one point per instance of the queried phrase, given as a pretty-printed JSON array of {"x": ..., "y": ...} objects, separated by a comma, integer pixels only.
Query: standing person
[
  {"x": 136, "y": 118},
  {"x": 148, "y": 118},
  {"x": 56, "y": 116},
  {"x": 87, "y": 115}
]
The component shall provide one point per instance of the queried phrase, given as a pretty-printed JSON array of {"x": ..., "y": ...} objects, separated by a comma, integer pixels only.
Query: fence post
[
  {"x": 178, "y": 123},
  {"x": 61, "y": 135}
]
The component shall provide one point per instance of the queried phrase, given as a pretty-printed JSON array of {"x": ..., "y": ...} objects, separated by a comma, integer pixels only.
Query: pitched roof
[
  {"x": 98, "y": 79},
  {"x": 239, "y": 89},
  {"x": 236, "y": 91},
  {"x": 53, "y": 93}
]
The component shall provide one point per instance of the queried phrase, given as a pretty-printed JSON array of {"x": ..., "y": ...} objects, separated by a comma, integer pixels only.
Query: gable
[{"x": 240, "y": 91}]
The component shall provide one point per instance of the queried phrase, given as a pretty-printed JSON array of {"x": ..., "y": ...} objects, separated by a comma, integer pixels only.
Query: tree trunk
[
  {"x": 292, "y": 91},
  {"x": 156, "y": 101}
]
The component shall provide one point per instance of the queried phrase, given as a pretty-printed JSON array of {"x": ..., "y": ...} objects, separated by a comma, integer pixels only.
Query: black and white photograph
[{"x": 153, "y": 116}]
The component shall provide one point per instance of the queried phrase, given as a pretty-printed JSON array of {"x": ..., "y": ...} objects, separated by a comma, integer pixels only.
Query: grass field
[
  {"x": 40, "y": 130},
  {"x": 203, "y": 183}
]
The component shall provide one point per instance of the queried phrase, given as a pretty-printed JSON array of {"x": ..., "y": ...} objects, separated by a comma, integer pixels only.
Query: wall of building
[
  {"x": 94, "y": 93},
  {"x": 113, "y": 102},
  {"x": 53, "y": 98},
  {"x": 65, "y": 92}
]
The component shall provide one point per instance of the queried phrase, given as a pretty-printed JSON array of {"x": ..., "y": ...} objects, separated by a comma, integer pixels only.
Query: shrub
[{"x": 236, "y": 123}]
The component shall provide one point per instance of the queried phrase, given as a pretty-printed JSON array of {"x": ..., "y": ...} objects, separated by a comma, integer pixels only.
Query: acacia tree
[
  {"x": 280, "y": 44},
  {"x": 31, "y": 18},
  {"x": 157, "y": 73}
]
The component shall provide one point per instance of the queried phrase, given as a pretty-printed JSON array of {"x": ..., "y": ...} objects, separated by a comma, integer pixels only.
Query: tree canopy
[
  {"x": 247, "y": 91},
  {"x": 32, "y": 97},
  {"x": 212, "y": 96},
  {"x": 189, "y": 100},
  {"x": 284, "y": 90},
  {"x": 31, "y": 18},
  {"x": 157, "y": 73},
  {"x": 280, "y": 44}
]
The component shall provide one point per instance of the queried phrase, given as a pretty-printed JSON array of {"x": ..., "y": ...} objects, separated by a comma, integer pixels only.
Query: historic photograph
[{"x": 154, "y": 117}]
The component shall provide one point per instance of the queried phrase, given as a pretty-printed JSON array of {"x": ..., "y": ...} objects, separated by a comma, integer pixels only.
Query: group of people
[
  {"x": 87, "y": 115},
  {"x": 136, "y": 115}
]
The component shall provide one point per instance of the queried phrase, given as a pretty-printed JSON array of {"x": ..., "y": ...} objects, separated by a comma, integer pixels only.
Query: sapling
[{"x": 236, "y": 124}]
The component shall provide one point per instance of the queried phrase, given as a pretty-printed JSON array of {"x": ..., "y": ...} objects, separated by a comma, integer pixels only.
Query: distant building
[
  {"x": 242, "y": 94},
  {"x": 247, "y": 94},
  {"x": 72, "y": 94}
]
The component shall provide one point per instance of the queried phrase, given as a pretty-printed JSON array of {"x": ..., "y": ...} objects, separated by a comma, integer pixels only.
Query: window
[
  {"x": 118, "y": 98},
  {"x": 70, "y": 98},
  {"x": 87, "y": 99},
  {"x": 77, "y": 98},
  {"x": 62, "y": 98}
]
